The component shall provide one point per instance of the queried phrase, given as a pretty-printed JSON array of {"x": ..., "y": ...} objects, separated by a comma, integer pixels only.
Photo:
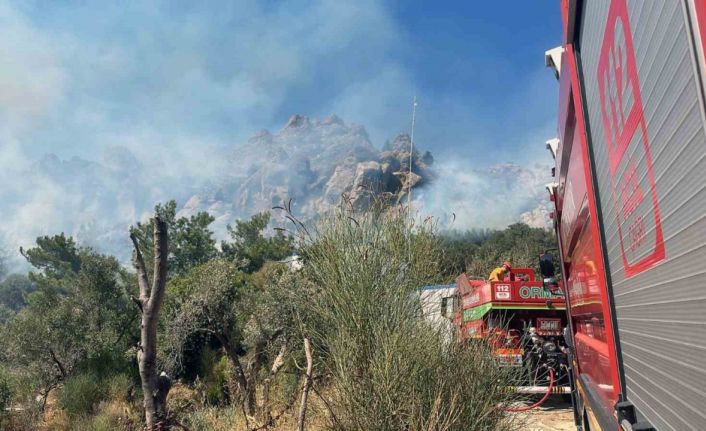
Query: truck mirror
[{"x": 546, "y": 265}]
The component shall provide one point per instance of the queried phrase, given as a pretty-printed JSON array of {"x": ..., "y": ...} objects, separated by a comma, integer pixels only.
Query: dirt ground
[{"x": 554, "y": 415}]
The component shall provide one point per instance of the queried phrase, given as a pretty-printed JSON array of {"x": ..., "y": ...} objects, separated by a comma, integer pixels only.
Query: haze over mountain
[{"x": 314, "y": 162}]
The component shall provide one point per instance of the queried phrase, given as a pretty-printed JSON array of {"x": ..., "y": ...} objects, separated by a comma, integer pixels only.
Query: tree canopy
[{"x": 251, "y": 247}]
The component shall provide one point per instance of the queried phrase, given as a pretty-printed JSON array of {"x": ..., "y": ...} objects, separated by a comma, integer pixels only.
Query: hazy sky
[
  {"x": 177, "y": 77},
  {"x": 174, "y": 81}
]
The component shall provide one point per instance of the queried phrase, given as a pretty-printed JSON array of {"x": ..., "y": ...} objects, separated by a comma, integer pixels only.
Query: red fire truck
[
  {"x": 523, "y": 319},
  {"x": 630, "y": 210}
]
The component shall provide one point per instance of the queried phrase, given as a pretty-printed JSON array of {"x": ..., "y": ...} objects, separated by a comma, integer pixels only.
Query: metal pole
[
  {"x": 411, "y": 149},
  {"x": 409, "y": 181}
]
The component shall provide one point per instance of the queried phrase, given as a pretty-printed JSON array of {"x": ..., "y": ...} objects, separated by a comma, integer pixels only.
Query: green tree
[
  {"x": 458, "y": 248},
  {"x": 518, "y": 243},
  {"x": 251, "y": 248},
  {"x": 191, "y": 242},
  {"x": 247, "y": 316},
  {"x": 210, "y": 307},
  {"x": 56, "y": 257},
  {"x": 13, "y": 291},
  {"x": 78, "y": 316}
]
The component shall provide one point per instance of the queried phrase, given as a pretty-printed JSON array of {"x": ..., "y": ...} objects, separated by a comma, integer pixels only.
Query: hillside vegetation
[{"x": 313, "y": 327}]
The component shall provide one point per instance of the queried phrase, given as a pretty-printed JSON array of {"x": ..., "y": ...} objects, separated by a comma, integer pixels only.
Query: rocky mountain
[{"x": 316, "y": 164}]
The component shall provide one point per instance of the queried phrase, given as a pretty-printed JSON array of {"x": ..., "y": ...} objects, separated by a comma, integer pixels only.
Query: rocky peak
[
  {"x": 316, "y": 163},
  {"x": 296, "y": 121},
  {"x": 333, "y": 119},
  {"x": 401, "y": 143}
]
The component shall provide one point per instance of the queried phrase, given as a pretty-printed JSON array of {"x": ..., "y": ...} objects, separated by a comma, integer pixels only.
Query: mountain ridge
[{"x": 314, "y": 162}]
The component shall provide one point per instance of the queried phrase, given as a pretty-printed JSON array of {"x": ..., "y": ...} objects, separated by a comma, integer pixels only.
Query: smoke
[
  {"x": 146, "y": 102},
  {"x": 464, "y": 198},
  {"x": 141, "y": 104}
]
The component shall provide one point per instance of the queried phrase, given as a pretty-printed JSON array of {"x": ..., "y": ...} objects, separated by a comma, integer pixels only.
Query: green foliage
[
  {"x": 458, "y": 249},
  {"x": 215, "y": 371},
  {"x": 13, "y": 290},
  {"x": 251, "y": 248},
  {"x": 389, "y": 368},
  {"x": 479, "y": 252},
  {"x": 119, "y": 386},
  {"x": 56, "y": 256},
  {"x": 6, "y": 391},
  {"x": 81, "y": 394},
  {"x": 79, "y": 313},
  {"x": 206, "y": 304},
  {"x": 519, "y": 244},
  {"x": 191, "y": 242}
]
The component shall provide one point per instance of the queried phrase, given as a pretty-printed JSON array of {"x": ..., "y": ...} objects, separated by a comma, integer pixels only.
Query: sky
[
  {"x": 177, "y": 77},
  {"x": 173, "y": 82}
]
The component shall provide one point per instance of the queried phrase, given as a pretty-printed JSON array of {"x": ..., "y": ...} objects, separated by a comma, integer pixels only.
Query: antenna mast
[
  {"x": 409, "y": 180},
  {"x": 411, "y": 149}
]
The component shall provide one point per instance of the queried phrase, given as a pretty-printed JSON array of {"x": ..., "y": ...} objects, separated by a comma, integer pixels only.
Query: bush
[
  {"x": 110, "y": 416},
  {"x": 215, "y": 419},
  {"x": 215, "y": 370},
  {"x": 119, "y": 387},
  {"x": 6, "y": 391},
  {"x": 390, "y": 369},
  {"x": 81, "y": 393}
]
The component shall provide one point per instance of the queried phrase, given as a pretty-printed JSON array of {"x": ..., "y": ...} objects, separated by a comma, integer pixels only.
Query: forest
[{"x": 302, "y": 326}]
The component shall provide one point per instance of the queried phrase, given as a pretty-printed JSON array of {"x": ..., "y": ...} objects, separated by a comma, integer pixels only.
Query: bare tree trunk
[
  {"x": 307, "y": 383},
  {"x": 239, "y": 374},
  {"x": 254, "y": 366},
  {"x": 155, "y": 388},
  {"x": 276, "y": 365},
  {"x": 56, "y": 360}
]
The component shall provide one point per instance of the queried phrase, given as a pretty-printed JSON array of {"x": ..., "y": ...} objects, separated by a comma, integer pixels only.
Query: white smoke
[
  {"x": 148, "y": 114},
  {"x": 494, "y": 197}
]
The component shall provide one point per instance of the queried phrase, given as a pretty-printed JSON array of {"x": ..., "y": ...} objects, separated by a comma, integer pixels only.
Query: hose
[{"x": 538, "y": 403}]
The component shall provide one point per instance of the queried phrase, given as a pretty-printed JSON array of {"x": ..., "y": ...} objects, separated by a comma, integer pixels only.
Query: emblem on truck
[
  {"x": 502, "y": 291},
  {"x": 630, "y": 162}
]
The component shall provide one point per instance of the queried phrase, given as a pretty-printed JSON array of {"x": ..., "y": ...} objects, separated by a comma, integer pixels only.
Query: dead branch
[
  {"x": 276, "y": 365},
  {"x": 307, "y": 383},
  {"x": 142, "y": 279}
]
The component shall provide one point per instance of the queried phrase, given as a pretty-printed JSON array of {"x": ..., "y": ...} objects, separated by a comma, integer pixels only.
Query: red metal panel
[
  {"x": 505, "y": 293},
  {"x": 580, "y": 237}
]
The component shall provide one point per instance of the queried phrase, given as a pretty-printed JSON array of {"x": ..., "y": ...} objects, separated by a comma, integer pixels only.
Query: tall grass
[{"x": 387, "y": 367}]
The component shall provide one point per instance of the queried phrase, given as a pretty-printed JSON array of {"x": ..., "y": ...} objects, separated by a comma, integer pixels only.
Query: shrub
[
  {"x": 215, "y": 370},
  {"x": 81, "y": 393},
  {"x": 6, "y": 391},
  {"x": 119, "y": 387},
  {"x": 110, "y": 416},
  {"x": 390, "y": 369},
  {"x": 215, "y": 419}
]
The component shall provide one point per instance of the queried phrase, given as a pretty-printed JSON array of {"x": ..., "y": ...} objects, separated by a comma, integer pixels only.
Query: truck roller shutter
[{"x": 646, "y": 121}]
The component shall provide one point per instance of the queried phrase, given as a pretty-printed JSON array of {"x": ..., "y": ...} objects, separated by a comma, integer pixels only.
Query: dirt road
[{"x": 554, "y": 415}]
